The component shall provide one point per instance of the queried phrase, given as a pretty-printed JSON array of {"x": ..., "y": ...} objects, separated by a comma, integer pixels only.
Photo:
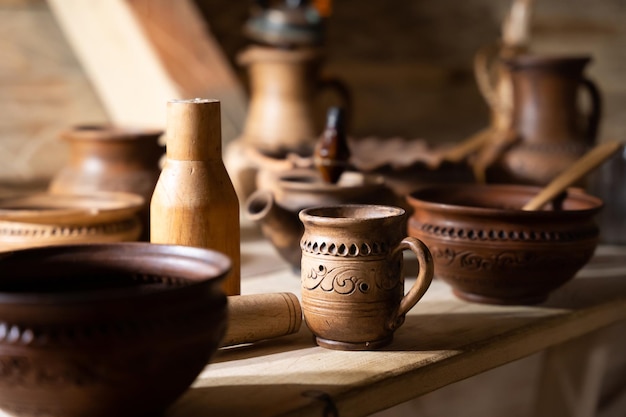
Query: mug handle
[
  {"x": 593, "y": 120},
  {"x": 424, "y": 277}
]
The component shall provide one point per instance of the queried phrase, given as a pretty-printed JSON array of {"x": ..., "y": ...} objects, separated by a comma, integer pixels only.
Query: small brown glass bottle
[{"x": 331, "y": 151}]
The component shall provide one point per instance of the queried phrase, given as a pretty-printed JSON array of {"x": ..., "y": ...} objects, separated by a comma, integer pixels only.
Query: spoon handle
[{"x": 579, "y": 169}]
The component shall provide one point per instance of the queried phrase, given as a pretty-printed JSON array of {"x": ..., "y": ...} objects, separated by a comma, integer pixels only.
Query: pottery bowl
[
  {"x": 491, "y": 251},
  {"x": 114, "y": 329},
  {"x": 42, "y": 219}
]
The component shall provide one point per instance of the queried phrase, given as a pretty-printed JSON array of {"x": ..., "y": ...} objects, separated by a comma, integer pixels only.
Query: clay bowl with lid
[
  {"x": 491, "y": 251},
  {"x": 113, "y": 329}
]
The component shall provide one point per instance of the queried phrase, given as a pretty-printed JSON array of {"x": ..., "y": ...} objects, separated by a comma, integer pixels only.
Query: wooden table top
[{"x": 443, "y": 340}]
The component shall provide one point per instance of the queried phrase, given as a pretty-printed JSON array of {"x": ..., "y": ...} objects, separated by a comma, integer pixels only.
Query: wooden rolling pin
[{"x": 257, "y": 317}]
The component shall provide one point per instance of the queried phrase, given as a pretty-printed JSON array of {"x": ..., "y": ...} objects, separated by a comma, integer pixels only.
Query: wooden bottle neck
[{"x": 193, "y": 130}]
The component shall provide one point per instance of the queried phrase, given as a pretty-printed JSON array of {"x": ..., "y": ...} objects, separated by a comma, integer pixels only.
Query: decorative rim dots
[{"x": 351, "y": 249}]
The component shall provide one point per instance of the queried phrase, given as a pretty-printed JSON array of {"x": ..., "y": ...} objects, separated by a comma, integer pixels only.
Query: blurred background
[{"x": 407, "y": 63}]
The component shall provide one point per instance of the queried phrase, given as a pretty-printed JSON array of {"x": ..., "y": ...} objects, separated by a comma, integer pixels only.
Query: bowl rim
[
  {"x": 76, "y": 208},
  {"x": 68, "y": 253},
  {"x": 313, "y": 184},
  {"x": 573, "y": 192}
]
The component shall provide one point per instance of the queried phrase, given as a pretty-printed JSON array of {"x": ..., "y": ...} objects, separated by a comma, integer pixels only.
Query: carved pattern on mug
[
  {"x": 344, "y": 249},
  {"x": 346, "y": 280},
  {"x": 341, "y": 279}
]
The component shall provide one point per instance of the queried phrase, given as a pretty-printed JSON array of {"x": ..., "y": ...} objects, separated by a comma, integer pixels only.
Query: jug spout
[{"x": 279, "y": 225}]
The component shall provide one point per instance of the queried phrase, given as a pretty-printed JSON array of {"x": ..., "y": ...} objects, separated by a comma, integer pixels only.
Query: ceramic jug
[
  {"x": 111, "y": 158},
  {"x": 284, "y": 85},
  {"x": 548, "y": 127}
]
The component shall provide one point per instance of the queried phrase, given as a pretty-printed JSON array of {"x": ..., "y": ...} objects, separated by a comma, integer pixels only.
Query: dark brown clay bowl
[
  {"x": 119, "y": 329},
  {"x": 491, "y": 251}
]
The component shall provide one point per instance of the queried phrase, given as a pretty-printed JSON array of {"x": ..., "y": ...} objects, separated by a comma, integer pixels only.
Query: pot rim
[
  {"x": 65, "y": 208},
  {"x": 417, "y": 200},
  {"x": 210, "y": 267},
  {"x": 547, "y": 61},
  {"x": 109, "y": 132},
  {"x": 310, "y": 183}
]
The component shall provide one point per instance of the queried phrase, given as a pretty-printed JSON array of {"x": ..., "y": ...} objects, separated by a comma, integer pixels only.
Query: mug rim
[{"x": 310, "y": 215}]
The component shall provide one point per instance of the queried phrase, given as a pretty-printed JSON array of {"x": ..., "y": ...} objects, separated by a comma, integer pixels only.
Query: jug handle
[
  {"x": 483, "y": 73},
  {"x": 497, "y": 144},
  {"x": 593, "y": 119},
  {"x": 425, "y": 274},
  {"x": 342, "y": 90}
]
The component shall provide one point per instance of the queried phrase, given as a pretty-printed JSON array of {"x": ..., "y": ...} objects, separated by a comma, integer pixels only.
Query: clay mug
[{"x": 352, "y": 278}]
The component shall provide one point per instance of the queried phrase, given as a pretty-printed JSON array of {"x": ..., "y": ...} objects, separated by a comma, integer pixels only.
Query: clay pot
[
  {"x": 42, "y": 219},
  {"x": 549, "y": 131},
  {"x": 491, "y": 251},
  {"x": 277, "y": 211},
  {"x": 352, "y": 275},
  {"x": 116, "y": 329},
  {"x": 299, "y": 191},
  {"x": 111, "y": 158}
]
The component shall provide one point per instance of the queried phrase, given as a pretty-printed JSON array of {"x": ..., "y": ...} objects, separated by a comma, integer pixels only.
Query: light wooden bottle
[{"x": 194, "y": 202}]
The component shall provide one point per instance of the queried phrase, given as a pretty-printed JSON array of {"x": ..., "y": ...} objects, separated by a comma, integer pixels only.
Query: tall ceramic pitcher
[
  {"x": 284, "y": 84},
  {"x": 551, "y": 129}
]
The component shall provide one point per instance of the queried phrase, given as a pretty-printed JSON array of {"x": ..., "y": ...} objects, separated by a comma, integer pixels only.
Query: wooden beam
[{"x": 141, "y": 53}]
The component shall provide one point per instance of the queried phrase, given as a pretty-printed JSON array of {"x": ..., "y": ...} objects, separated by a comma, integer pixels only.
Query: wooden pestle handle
[
  {"x": 579, "y": 169},
  {"x": 257, "y": 317}
]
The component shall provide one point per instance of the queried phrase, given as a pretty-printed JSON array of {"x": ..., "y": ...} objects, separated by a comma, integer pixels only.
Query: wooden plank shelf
[{"x": 443, "y": 340}]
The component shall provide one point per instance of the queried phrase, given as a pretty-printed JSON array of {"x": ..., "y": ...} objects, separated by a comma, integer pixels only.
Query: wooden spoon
[{"x": 579, "y": 169}]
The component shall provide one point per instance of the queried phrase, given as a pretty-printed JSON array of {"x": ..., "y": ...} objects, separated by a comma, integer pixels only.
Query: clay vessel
[
  {"x": 491, "y": 251},
  {"x": 284, "y": 86},
  {"x": 278, "y": 225},
  {"x": 119, "y": 329},
  {"x": 111, "y": 158},
  {"x": 550, "y": 130},
  {"x": 276, "y": 211},
  {"x": 493, "y": 78},
  {"x": 41, "y": 219},
  {"x": 352, "y": 275}
]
